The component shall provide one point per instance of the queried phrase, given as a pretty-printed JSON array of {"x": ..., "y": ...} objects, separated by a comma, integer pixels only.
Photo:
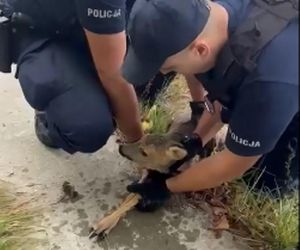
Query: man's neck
[
  {"x": 221, "y": 19},
  {"x": 224, "y": 22}
]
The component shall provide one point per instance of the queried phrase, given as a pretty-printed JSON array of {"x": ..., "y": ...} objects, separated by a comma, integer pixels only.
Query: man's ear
[
  {"x": 176, "y": 153},
  {"x": 200, "y": 47}
]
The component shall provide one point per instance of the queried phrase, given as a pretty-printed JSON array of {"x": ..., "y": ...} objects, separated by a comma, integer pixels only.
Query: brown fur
[{"x": 160, "y": 151}]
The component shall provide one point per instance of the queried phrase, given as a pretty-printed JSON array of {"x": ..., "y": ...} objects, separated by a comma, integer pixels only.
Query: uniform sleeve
[
  {"x": 102, "y": 16},
  {"x": 261, "y": 114}
]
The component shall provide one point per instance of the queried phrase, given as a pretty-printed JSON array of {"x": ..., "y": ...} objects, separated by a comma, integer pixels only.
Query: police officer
[
  {"x": 245, "y": 55},
  {"x": 68, "y": 56}
]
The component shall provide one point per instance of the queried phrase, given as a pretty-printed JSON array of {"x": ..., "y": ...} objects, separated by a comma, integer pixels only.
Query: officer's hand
[{"x": 153, "y": 190}]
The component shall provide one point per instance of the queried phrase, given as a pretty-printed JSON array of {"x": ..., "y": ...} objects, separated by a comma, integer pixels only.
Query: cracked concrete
[{"x": 100, "y": 179}]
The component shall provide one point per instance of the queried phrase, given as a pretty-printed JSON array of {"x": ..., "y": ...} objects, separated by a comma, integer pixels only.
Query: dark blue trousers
[
  {"x": 58, "y": 76},
  {"x": 279, "y": 169}
]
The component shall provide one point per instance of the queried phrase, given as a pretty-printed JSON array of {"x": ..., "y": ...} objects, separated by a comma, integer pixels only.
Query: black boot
[{"x": 41, "y": 129}]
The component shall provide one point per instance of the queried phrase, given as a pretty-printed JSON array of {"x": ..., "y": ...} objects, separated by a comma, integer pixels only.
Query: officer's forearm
[
  {"x": 108, "y": 53},
  {"x": 125, "y": 107},
  {"x": 210, "y": 172},
  {"x": 209, "y": 124},
  {"x": 196, "y": 89}
]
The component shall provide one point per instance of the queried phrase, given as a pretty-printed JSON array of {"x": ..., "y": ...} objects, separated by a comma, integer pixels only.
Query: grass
[
  {"x": 158, "y": 117},
  {"x": 155, "y": 118},
  {"x": 17, "y": 223},
  {"x": 264, "y": 222}
]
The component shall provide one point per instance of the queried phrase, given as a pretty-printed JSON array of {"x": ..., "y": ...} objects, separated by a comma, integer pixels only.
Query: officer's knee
[
  {"x": 39, "y": 89},
  {"x": 89, "y": 137}
]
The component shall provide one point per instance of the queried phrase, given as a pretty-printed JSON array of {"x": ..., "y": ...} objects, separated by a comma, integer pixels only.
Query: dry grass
[
  {"x": 17, "y": 223},
  {"x": 266, "y": 222}
]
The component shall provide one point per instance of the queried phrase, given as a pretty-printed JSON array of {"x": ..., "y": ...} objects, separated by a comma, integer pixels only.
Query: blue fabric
[
  {"x": 98, "y": 16},
  {"x": 151, "y": 28},
  {"x": 102, "y": 16},
  {"x": 268, "y": 99},
  {"x": 54, "y": 80},
  {"x": 48, "y": 16},
  {"x": 59, "y": 77},
  {"x": 237, "y": 10}
]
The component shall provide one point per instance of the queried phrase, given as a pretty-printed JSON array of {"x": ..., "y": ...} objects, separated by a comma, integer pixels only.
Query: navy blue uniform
[
  {"x": 264, "y": 118},
  {"x": 104, "y": 17},
  {"x": 56, "y": 71},
  {"x": 268, "y": 98}
]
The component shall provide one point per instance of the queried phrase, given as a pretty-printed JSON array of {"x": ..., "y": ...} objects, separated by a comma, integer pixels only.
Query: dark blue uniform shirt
[
  {"x": 268, "y": 98},
  {"x": 98, "y": 16},
  {"x": 102, "y": 16}
]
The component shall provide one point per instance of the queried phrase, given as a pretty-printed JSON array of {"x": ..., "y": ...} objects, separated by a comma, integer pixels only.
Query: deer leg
[{"x": 106, "y": 224}]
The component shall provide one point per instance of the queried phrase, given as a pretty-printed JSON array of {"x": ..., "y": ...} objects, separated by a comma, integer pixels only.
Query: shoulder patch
[{"x": 243, "y": 141}]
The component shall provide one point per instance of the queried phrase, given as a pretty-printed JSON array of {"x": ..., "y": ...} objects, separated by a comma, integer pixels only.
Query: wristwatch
[{"x": 198, "y": 107}]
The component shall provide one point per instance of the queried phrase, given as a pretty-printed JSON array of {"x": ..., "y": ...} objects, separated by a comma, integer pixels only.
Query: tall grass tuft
[
  {"x": 267, "y": 221},
  {"x": 169, "y": 102},
  {"x": 18, "y": 228}
]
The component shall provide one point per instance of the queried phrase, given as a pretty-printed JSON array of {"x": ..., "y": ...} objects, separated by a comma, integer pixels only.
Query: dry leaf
[
  {"x": 219, "y": 211},
  {"x": 221, "y": 224},
  {"x": 216, "y": 201}
]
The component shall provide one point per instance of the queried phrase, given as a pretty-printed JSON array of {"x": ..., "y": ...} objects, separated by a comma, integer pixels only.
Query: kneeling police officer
[{"x": 68, "y": 56}]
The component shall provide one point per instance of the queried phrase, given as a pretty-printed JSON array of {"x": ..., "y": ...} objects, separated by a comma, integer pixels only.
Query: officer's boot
[{"x": 41, "y": 129}]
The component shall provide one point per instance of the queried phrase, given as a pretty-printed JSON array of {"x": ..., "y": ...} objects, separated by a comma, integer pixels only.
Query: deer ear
[{"x": 176, "y": 153}]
